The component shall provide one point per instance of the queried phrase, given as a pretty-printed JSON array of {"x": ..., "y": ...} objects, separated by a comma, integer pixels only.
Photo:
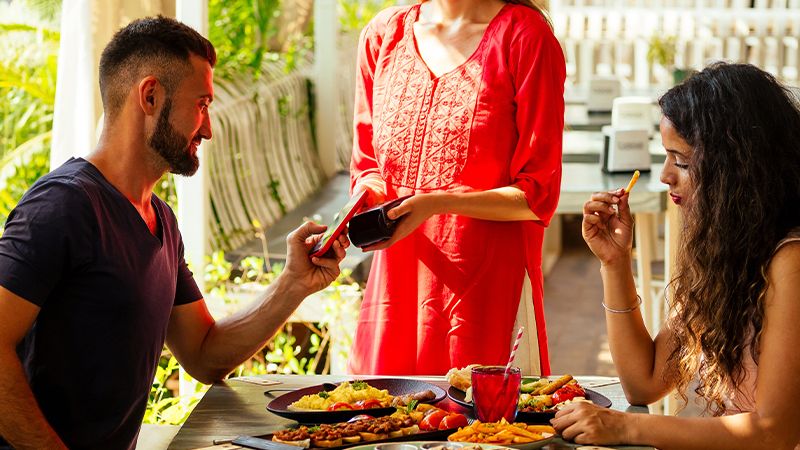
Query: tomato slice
[
  {"x": 340, "y": 405},
  {"x": 432, "y": 420},
  {"x": 367, "y": 404},
  {"x": 567, "y": 392},
  {"x": 453, "y": 420}
]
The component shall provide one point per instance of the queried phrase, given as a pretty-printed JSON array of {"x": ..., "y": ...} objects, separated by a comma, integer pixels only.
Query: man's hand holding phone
[
  {"x": 323, "y": 246},
  {"x": 313, "y": 272}
]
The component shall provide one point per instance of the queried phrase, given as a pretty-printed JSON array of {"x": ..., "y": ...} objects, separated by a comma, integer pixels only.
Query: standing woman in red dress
[{"x": 460, "y": 103}]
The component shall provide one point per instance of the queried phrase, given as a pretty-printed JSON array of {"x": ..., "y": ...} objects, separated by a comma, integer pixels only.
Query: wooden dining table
[{"x": 236, "y": 408}]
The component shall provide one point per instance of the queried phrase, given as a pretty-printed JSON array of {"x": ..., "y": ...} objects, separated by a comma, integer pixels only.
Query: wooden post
[{"x": 325, "y": 82}]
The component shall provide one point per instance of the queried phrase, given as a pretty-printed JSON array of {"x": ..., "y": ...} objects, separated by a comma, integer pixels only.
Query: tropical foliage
[
  {"x": 354, "y": 15},
  {"x": 241, "y": 31},
  {"x": 28, "y": 59}
]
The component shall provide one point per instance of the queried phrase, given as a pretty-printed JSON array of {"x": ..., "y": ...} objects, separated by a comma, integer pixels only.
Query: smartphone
[{"x": 339, "y": 223}]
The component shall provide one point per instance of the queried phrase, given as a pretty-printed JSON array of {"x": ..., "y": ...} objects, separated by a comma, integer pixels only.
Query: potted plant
[{"x": 661, "y": 50}]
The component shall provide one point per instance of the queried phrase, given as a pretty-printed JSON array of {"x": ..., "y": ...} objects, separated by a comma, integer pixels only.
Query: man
[{"x": 92, "y": 274}]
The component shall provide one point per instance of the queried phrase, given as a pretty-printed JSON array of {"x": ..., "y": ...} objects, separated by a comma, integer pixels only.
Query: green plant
[
  {"x": 241, "y": 31},
  {"x": 341, "y": 303},
  {"x": 27, "y": 96},
  {"x": 163, "y": 406},
  {"x": 165, "y": 190},
  {"x": 354, "y": 15},
  {"x": 234, "y": 283},
  {"x": 46, "y": 10},
  {"x": 23, "y": 175},
  {"x": 28, "y": 71},
  {"x": 661, "y": 50}
]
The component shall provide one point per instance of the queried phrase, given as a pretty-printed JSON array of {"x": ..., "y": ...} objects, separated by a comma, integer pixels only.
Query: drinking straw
[
  {"x": 504, "y": 387},
  {"x": 513, "y": 352}
]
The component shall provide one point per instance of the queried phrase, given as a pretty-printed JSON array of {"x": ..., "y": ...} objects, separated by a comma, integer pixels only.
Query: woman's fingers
[
  {"x": 565, "y": 423},
  {"x": 571, "y": 431},
  {"x": 583, "y": 438},
  {"x": 624, "y": 208},
  {"x": 562, "y": 419},
  {"x": 594, "y": 220},
  {"x": 607, "y": 197},
  {"x": 593, "y": 206}
]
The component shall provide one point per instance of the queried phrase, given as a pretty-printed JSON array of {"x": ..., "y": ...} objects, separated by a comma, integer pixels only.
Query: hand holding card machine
[
  {"x": 339, "y": 223},
  {"x": 374, "y": 225}
]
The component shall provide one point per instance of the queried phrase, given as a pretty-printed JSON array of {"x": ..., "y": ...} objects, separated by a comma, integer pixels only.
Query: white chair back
[
  {"x": 632, "y": 113},
  {"x": 602, "y": 92}
]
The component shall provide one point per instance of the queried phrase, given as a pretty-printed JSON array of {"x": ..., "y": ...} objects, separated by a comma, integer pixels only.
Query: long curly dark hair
[{"x": 744, "y": 128}]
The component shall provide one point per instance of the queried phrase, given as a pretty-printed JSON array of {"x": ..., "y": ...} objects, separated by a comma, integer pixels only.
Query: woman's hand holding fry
[{"x": 608, "y": 230}]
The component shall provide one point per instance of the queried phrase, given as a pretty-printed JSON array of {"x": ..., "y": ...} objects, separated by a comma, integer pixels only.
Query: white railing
[
  {"x": 262, "y": 159},
  {"x": 614, "y": 40},
  {"x": 348, "y": 46}
]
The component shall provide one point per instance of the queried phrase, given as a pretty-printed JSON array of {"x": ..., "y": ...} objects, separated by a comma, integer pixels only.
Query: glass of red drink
[{"x": 495, "y": 395}]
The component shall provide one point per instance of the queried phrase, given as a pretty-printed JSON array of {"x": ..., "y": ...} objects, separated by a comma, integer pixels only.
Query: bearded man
[{"x": 93, "y": 279}]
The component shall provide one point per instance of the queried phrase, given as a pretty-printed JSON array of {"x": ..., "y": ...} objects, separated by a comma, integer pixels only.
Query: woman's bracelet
[{"x": 623, "y": 311}]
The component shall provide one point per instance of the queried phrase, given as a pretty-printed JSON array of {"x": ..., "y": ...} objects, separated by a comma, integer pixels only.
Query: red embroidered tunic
[{"x": 447, "y": 295}]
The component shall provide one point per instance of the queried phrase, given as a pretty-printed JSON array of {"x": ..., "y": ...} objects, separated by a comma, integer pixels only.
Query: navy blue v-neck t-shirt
[{"x": 78, "y": 249}]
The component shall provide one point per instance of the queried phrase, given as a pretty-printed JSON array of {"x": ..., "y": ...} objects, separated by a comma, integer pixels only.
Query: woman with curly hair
[{"x": 732, "y": 137}]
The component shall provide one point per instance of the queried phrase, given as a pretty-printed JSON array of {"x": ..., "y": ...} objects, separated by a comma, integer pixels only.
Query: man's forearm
[
  {"x": 234, "y": 339},
  {"x": 632, "y": 348},
  {"x": 22, "y": 423}
]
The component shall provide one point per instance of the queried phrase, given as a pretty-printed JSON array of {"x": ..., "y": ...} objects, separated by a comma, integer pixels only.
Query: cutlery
[
  {"x": 325, "y": 387},
  {"x": 254, "y": 442},
  {"x": 601, "y": 384}
]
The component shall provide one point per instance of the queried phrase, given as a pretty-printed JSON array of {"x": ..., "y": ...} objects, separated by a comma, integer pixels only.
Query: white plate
[
  {"x": 418, "y": 445},
  {"x": 528, "y": 446}
]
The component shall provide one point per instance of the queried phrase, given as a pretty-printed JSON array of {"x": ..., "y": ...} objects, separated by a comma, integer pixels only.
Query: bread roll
[{"x": 461, "y": 379}]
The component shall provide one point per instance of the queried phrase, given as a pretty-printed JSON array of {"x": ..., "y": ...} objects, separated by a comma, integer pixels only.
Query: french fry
[
  {"x": 634, "y": 178},
  {"x": 522, "y": 432},
  {"x": 488, "y": 428},
  {"x": 463, "y": 433},
  {"x": 502, "y": 433},
  {"x": 539, "y": 429}
]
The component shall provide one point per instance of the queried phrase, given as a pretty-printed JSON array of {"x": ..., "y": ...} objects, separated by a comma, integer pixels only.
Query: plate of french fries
[{"x": 516, "y": 435}]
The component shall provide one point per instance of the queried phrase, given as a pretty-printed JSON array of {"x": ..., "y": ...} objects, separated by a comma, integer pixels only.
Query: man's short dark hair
[{"x": 157, "y": 46}]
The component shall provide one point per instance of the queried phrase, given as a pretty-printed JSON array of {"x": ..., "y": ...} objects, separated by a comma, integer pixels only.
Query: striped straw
[{"x": 514, "y": 351}]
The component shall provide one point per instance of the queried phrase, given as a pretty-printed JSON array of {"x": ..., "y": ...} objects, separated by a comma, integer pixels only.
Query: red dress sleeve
[
  {"x": 537, "y": 64},
  {"x": 363, "y": 165}
]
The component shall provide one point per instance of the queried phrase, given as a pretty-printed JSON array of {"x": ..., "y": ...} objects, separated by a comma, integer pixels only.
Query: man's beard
[{"x": 170, "y": 145}]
